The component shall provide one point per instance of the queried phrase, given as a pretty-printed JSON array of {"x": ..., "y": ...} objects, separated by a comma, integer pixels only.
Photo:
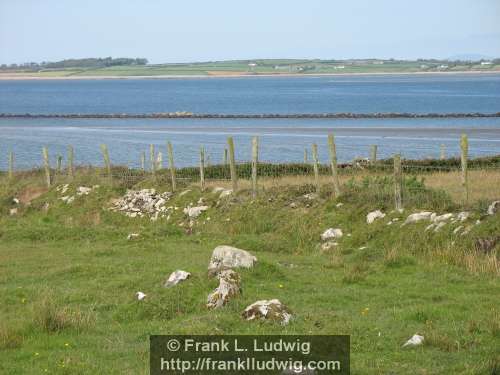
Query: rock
[
  {"x": 194, "y": 212},
  {"x": 224, "y": 257},
  {"x": 413, "y": 218},
  {"x": 363, "y": 247},
  {"x": 15, "y": 200},
  {"x": 140, "y": 296},
  {"x": 331, "y": 233},
  {"x": 293, "y": 205},
  {"x": 462, "y": 216},
  {"x": 494, "y": 208},
  {"x": 83, "y": 190},
  {"x": 414, "y": 340},
  {"x": 132, "y": 236},
  {"x": 145, "y": 202},
  {"x": 62, "y": 188},
  {"x": 268, "y": 309},
  {"x": 458, "y": 229},
  {"x": 310, "y": 196},
  {"x": 229, "y": 286},
  {"x": 338, "y": 205},
  {"x": 225, "y": 193},
  {"x": 328, "y": 245},
  {"x": 440, "y": 218},
  {"x": 13, "y": 211},
  {"x": 486, "y": 245},
  {"x": 439, "y": 225},
  {"x": 176, "y": 277},
  {"x": 68, "y": 199},
  {"x": 372, "y": 216}
]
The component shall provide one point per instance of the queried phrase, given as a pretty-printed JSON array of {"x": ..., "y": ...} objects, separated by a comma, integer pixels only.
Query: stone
[
  {"x": 83, "y": 190},
  {"x": 338, "y": 205},
  {"x": 462, "y": 216},
  {"x": 328, "y": 245},
  {"x": 458, "y": 229},
  {"x": 194, "y": 212},
  {"x": 132, "y": 236},
  {"x": 310, "y": 196},
  {"x": 439, "y": 225},
  {"x": 331, "y": 233},
  {"x": 176, "y": 277},
  {"x": 372, "y": 216},
  {"x": 145, "y": 202},
  {"x": 494, "y": 208},
  {"x": 15, "y": 200},
  {"x": 62, "y": 188},
  {"x": 13, "y": 211},
  {"x": 68, "y": 199},
  {"x": 140, "y": 296},
  {"x": 414, "y": 341},
  {"x": 268, "y": 310},
  {"x": 225, "y": 193},
  {"x": 441, "y": 218},
  {"x": 419, "y": 216},
  {"x": 229, "y": 287},
  {"x": 224, "y": 257}
]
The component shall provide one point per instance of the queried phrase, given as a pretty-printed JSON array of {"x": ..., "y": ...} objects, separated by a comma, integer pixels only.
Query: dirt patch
[{"x": 31, "y": 193}]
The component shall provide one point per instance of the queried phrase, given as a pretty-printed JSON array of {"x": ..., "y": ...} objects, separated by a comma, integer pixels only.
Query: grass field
[{"x": 68, "y": 278}]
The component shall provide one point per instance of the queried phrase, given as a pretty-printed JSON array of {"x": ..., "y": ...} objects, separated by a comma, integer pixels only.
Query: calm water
[{"x": 282, "y": 140}]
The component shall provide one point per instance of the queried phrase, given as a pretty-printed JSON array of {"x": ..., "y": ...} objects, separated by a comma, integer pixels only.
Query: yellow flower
[
  {"x": 66, "y": 344},
  {"x": 281, "y": 285},
  {"x": 37, "y": 354}
]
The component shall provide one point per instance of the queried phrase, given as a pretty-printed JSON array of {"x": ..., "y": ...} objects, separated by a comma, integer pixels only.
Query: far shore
[{"x": 22, "y": 76}]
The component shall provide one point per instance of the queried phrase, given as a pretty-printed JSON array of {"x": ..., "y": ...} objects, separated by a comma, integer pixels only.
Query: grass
[{"x": 68, "y": 276}]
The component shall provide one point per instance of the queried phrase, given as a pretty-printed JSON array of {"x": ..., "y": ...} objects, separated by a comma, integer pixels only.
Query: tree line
[{"x": 78, "y": 63}]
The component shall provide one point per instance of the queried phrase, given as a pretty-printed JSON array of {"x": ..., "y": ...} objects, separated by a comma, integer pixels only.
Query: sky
[{"x": 166, "y": 31}]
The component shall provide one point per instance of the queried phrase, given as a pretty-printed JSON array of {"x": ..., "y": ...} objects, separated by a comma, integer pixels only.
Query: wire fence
[{"x": 462, "y": 179}]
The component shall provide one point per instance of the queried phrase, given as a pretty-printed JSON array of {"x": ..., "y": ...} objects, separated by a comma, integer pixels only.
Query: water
[{"x": 282, "y": 140}]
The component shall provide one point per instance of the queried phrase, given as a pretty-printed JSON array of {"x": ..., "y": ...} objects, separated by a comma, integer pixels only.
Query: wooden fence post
[
  {"x": 208, "y": 160},
  {"x": 224, "y": 157},
  {"x": 305, "y": 156},
  {"x": 59, "y": 164},
  {"x": 232, "y": 164},
  {"x": 373, "y": 155},
  {"x": 464, "y": 146},
  {"x": 171, "y": 164},
  {"x": 202, "y": 168},
  {"x": 71, "y": 157},
  {"x": 159, "y": 161},
  {"x": 398, "y": 182},
  {"x": 255, "y": 161},
  {"x": 152, "y": 159},
  {"x": 107, "y": 162},
  {"x": 333, "y": 164},
  {"x": 316, "y": 166},
  {"x": 11, "y": 165},
  {"x": 143, "y": 161},
  {"x": 442, "y": 155},
  {"x": 46, "y": 164}
]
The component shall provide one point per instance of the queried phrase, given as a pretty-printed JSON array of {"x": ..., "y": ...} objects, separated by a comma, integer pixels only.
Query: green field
[
  {"x": 256, "y": 67},
  {"x": 68, "y": 276}
]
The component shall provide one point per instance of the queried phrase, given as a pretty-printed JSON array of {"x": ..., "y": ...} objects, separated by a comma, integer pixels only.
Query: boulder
[
  {"x": 372, "y": 216},
  {"x": 414, "y": 341},
  {"x": 494, "y": 208},
  {"x": 176, "y": 277},
  {"x": 268, "y": 310},
  {"x": 140, "y": 296},
  {"x": 13, "y": 211},
  {"x": 419, "y": 216},
  {"x": 194, "y": 212},
  {"x": 224, "y": 257},
  {"x": 331, "y": 233},
  {"x": 229, "y": 287}
]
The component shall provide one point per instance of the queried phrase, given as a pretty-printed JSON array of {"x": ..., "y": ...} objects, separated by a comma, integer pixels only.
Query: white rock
[
  {"x": 230, "y": 257},
  {"x": 131, "y": 236},
  {"x": 310, "y": 196},
  {"x": 13, "y": 211},
  {"x": 372, "y": 216},
  {"x": 462, "y": 216},
  {"x": 363, "y": 247},
  {"x": 457, "y": 229},
  {"x": 62, "y": 188},
  {"x": 493, "y": 208},
  {"x": 15, "y": 201},
  {"x": 229, "y": 287},
  {"x": 414, "y": 340},
  {"x": 331, "y": 233},
  {"x": 68, "y": 199},
  {"x": 140, "y": 296},
  {"x": 83, "y": 190},
  {"x": 225, "y": 193},
  {"x": 268, "y": 309},
  {"x": 439, "y": 225},
  {"x": 176, "y": 277},
  {"x": 339, "y": 205},
  {"x": 194, "y": 212},
  {"x": 328, "y": 245},
  {"x": 441, "y": 218},
  {"x": 413, "y": 218}
]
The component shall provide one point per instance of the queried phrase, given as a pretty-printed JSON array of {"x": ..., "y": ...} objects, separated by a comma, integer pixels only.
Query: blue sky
[{"x": 201, "y": 30}]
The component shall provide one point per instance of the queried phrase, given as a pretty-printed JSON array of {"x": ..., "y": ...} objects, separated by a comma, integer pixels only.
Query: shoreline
[{"x": 22, "y": 77}]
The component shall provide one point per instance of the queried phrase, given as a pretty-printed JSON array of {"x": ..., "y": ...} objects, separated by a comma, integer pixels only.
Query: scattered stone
[
  {"x": 462, "y": 216},
  {"x": 293, "y": 205},
  {"x": 140, "y": 296},
  {"x": 68, "y": 199},
  {"x": 486, "y": 245},
  {"x": 83, "y": 190},
  {"x": 414, "y": 340},
  {"x": 441, "y": 218},
  {"x": 310, "y": 196},
  {"x": 194, "y": 212},
  {"x": 225, "y": 193},
  {"x": 494, "y": 208},
  {"x": 372, "y": 216},
  {"x": 145, "y": 202},
  {"x": 229, "y": 286},
  {"x": 62, "y": 188},
  {"x": 132, "y": 236},
  {"x": 224, "y": 257},
  {"x": 458, "y": 229},
  {"x": 413, "y": 218},
  {"x": 328, "y": 245},
  {"x": 363, "y": 247},
  {"x": 13, "y": 211},
  {"x": 268, "y": 309},
  {"x": 439, "y": 225},
  {"x": 331, "y": 233},
  {"x": 15, "y": 200},
  {"x": 338, "y": 205},
  {"x": 176, "y": 277},
  {"x": 200, "y": 201}
]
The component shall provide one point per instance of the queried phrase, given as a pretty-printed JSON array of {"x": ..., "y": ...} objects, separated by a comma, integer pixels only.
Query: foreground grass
[{"x": 68, "y": 276}]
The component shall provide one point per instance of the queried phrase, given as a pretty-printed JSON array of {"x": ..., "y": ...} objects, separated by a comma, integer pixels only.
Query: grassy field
[
  {"x": 68, "y": 276},
  {"x": 255, "y": 67}
]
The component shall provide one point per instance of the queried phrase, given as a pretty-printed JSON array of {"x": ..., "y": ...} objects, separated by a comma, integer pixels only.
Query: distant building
[
  {"x": 486, "y": 63},
  {"x": 339, "y": 67},
  {"x": 443, "y": 66},
  {"x": 252, "y": 64}
]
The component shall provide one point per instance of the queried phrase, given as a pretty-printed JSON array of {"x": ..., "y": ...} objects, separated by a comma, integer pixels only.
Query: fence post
[
  {"x": 373, "y": 155},
  {"x": 333, "y": 164},
  {"x": 152, "y": 159},
  {"x": 208, "y": 160},
  {"x": 443, "y": 152},
  {"x": 316, "y": 166},
  {"x": 11, "y": 165},
  {"x": 143, "y": 161},
  {"x": 224, "y": 157},
  {"x": 202, "y": 168},
  {"x": 464, "y": 146},
  {"x": 59, "y": 164},
  {"x": 171, "y": 164},
  {"x": 71, "y": 157},
  {"x": 107, "y": 162},
  {"x": 398, "y": 182},
  {"x": 232, "y": 164},
  {"x": 305, "y": 156},
  {"x": 46, "y": 165},
  {"x": 159, "y": 161},
  {"x": 255, "y": 161}
]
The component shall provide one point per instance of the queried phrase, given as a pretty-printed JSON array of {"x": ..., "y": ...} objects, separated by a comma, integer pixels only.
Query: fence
[{"x": 465, "y": 180}]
